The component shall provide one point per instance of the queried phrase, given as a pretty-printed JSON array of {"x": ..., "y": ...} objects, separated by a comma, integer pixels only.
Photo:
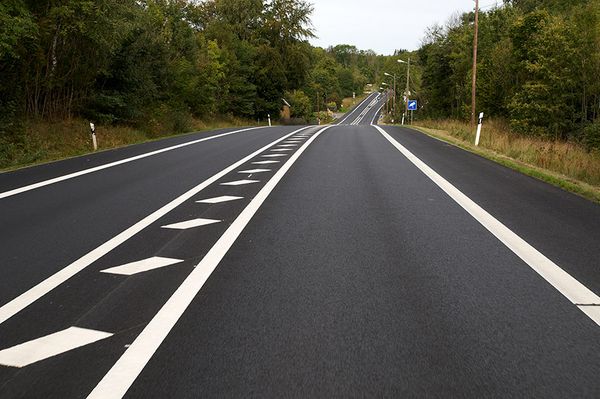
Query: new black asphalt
[{"x": 358, "y": 277}]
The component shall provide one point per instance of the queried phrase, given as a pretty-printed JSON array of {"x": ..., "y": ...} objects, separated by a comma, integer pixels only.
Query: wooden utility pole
[{"x": 474, "y": 86}]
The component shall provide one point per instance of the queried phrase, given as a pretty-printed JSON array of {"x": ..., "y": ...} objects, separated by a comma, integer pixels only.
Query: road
[{"x": 348, "y": 260}]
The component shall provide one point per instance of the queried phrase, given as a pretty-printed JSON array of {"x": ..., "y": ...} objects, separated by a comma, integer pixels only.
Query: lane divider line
[
  {"x": 19, "y": 303},
  {"x": 116, "y": 163},
  {"x": 567, "y": 285},
  {"x": 125, "y": 371}
]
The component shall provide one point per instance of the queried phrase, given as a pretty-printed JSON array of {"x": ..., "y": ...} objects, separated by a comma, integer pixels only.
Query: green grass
[
  {"x": 44, "y": 141},
  {"x": 565, "y": 165}
]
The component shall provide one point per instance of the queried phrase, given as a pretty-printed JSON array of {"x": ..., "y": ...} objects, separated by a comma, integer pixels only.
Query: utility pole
[{"x": 474, "y": 86}]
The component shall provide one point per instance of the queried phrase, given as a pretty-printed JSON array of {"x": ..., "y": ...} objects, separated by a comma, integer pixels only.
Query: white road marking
[
  {"x": 287, "y": 145},
  {"x": 240, "y": 182},
  {"x": 254, "y": 171},
  {"x": 282, "y": 149},
  {"x": 572, "y": 289},
  {"x": 356, "y": 108},
  {"x": 365, "y": 111},
  {"x": 264, "y": 162},
  {"x": 274, "y": 155},
  {"x": 218, "y": 200},
  {"x": 124, "y": 372},
  {"x": 190, "y": 224},
  {"x": 375, "y": 116},
  {"x": 140, "y": 266},
  {"x": 19, "y": 303},
  {"x": 51, "y": 345},
  {"x": 112, "y": 164}
]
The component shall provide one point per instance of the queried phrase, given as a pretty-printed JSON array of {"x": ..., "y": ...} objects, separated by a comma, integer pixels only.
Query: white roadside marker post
[
  {"x": 94, "y": 140},
  {"x": 478, "y": 136},
  {"x": 269, "y": 115}
]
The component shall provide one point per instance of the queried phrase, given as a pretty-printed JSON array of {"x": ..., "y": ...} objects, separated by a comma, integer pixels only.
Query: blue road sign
[{"x": 412, "y": 105}]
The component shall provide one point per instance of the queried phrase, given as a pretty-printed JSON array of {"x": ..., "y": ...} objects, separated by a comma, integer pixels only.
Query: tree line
[
  {"x": 147, "y": 62},
  {"x": 539, "y": 63}
]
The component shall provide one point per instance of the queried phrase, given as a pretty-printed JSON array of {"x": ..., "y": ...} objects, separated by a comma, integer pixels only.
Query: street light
[
  {"x": 407, "y": 90},
  {"x": 393, "y": 76}
]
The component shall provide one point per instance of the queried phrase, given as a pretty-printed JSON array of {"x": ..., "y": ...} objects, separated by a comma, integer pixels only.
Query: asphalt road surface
[{"x": 349, "y": 260}]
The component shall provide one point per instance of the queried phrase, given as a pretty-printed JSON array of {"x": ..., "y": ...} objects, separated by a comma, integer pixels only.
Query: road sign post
[
  {"x": 479, "y": 125},
  {"x": 411, "y": 105},
  {"x": 94, "y": 140}
]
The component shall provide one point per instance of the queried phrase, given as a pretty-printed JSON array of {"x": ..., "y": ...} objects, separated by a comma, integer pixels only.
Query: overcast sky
[{"x": 381, "y": 25}]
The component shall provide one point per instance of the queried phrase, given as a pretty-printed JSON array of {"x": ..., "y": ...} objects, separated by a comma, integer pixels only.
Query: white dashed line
[
  {"x": 218, "y": 200},
  {"x": 264, "y": 162},
  {"x": 190, "y": 224},
  {"x": 51, "y": 345},
  {"x": 25, "y": 299},
  {"x": 140, "y": 266},
  {"x": 122, "y": 375},
  {"x": 251, "y": 171},
  {"x": 240, "y": 182}
]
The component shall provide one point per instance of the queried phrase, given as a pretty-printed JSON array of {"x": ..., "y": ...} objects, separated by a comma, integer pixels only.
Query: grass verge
[
  {"x": 43, "y": 141},
  {"x": 565, "y": 165}
]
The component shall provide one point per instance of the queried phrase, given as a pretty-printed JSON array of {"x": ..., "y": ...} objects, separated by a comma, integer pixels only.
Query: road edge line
[
  {"x": 577, "y": 293},
  {"x": 73, "y": 175}
]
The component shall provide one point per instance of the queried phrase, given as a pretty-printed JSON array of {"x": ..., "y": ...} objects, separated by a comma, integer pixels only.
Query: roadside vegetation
[
  {"x": 538, "y": 69},
  {"x": 564, "y": 164}
]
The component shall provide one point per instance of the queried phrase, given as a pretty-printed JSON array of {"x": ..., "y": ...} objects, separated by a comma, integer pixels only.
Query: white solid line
[
  {"x": 240, "y": 182},
  {"x": 218, "y": 200},
  {"x": 264, "y": 162},
  {"x": 51, "y": 345},
  {"x": 124, "y": 372},
  {"x": 112, "y": 164},
  {"x": 375, "y": 116},
  {"x": 190, "y": 224},
  {"x": 19, "y": 303},
  {"x": 251, "y": 171},
  {"x": 274, "y": 155},
  {"x": 572, "y": 289},
  {"x": 140, "y": 266}
]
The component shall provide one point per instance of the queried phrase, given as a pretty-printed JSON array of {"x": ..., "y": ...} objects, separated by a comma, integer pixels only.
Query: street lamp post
[
  {"x": 394, "y": 101},
  {"x": 407, "y": 90}
]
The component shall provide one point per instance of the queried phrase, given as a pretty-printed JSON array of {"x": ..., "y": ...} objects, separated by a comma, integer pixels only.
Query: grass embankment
[
  {"x": 563, "y": 164},
  {"x": 44, "y": 141}
]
